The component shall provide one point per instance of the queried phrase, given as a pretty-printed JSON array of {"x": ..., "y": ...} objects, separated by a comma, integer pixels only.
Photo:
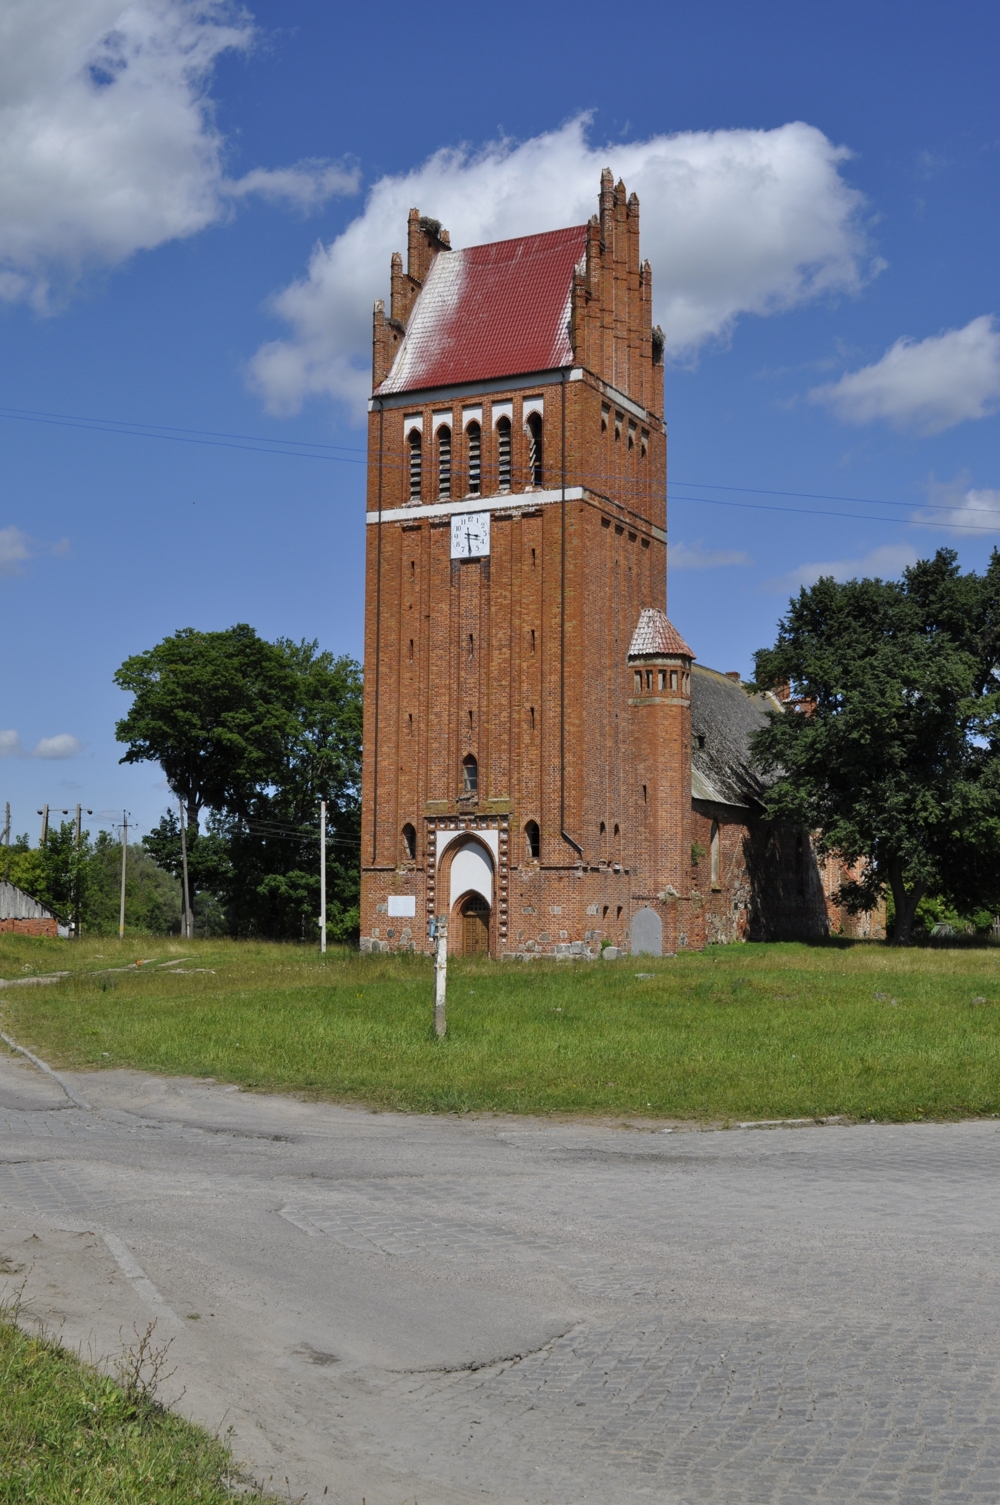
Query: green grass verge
[
  {"x": 736, "y": 1032},
  {"x": 72, "y": 1436}
]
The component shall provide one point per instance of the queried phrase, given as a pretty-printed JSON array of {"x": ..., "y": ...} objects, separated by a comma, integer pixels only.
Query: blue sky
[{"x": 197, "y": 204}]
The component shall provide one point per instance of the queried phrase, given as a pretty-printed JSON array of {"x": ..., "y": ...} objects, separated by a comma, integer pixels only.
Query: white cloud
[
  {"x": 734, "y": 222},
  {"x": 886, "y": 563},
  {"x": 682, "y": 556},
  {"x": 929, "y": 384},
  {"x": 307, "y": 185},
  {"x": 10, "y": 745},
  {"x": 18, "y": 547},
  {"x": 107, "y": 141},
  {"x": 15, "y": 550},
  {"x": 63, "y": 745},
  {"x": 957, "y": 506}
]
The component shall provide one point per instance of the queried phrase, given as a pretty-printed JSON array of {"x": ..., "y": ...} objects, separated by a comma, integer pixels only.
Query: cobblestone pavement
[{"x": 507, "y": 1311}]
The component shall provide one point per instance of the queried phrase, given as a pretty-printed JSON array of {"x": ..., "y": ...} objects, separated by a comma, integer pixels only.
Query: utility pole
[
  {"x": 323, "y": 876},
  {"x": 439, "y": 932},
  {"x": 121, "y": 911},
  {"x": 44, "y": 813},
  {"x": 6, "y": 825},
  {"x": 77, "y": 877},
  {"x": 187, "y": 926}
]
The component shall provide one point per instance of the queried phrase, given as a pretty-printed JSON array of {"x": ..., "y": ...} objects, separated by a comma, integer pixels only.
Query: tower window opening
[
  {"x": 503, "y": 454},
  {"x": 602, "y": 842},
  {"x": 531, "y": 715},
  {"x": 644, "y": 794},
  {"x": 470, "y": 774},
  {"x": 413, "y": 568},
  {"x": 649, "y": 679},
  {"x": 472, "y": 649},
  {"x": 619, "y": 420},
  {"x": 532, "y": 559},
  {"x": 410, "y": 720},
  {"x": 416, "y": 458},
  {"x": 409, "y": 842},
  {"x": 474, "y": 440},
  {"x": 535, "y": 449},
  {"x": 631, "y": 435},
  {"x": 644, "y": 443},
  {"x": 532, "y": 839},
  {"x": 444, "y": 461},
  {"x": 637, "y": 676},
  {"x": 713, "y": 844},
  {"x": 532, "y": 640},
  {"x": 470, "y": 723},
  {"x": 605, "y": 417},
  {"x": 663, "y": 679},
  {"x": 411, "y": 650},
  {"x": 673, "y": 679}
]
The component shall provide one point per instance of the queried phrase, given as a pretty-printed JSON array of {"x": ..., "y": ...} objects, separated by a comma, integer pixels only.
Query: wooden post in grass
[{"x": 440, "y": 933}]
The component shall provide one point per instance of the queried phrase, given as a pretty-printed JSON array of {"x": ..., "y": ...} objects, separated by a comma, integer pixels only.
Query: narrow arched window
[
  {"x": 415, "y": 464},
  {"x": 474, "y": 440},
  {"x": 532, "y": 838},
  {"x": 618, "y": 843},
  {"x": 602, "y": 842},
  {"x": 444, "y": 461},
  {"x": 470, "y": 775},
  {"x": 535, "y": 449},
  {"x": 713, "y": 843},
  {"x": 409, "y": 842},
  {"x": 503, "y": 454}
]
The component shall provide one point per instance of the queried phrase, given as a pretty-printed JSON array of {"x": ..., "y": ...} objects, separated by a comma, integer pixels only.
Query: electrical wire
[{"x": 352, "y": 455}]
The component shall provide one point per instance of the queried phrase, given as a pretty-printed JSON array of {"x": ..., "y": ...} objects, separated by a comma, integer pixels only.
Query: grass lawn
[
  {"x": 72, "y": 1436},
  {"x": 737, "y": 1032}
]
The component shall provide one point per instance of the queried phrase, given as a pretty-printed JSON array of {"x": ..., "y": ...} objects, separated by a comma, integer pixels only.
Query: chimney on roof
[{"x": 734, "y": 674}]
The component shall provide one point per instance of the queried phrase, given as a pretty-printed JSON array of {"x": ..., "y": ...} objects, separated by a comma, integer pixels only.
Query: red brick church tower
[{"x": 527, "y": 765}]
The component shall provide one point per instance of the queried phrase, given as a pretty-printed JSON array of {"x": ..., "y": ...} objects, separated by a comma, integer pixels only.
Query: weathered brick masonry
[{"x": 527, "y": 739}]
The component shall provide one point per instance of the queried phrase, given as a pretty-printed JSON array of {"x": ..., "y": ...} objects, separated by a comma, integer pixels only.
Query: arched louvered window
[
  {"x": 470, "y": 775},
  {"x": 535, "y": 449},
  {"x": 713, "y": 844},
  {"x": 416, "y": 458},
  {"x": 409, "y": 842},
  {"x": 444, "y": 461},
  {"x": 503, "y": 455},
  {"x": 474, "y": 440},
  {"x": 532, "y": 839}
]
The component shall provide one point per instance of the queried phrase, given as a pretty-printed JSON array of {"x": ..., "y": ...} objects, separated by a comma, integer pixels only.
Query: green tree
[
  {"x": 60, "y": 875},
  {"x": 894, "y": 754},
  {"x": 213, "y": 709},
  {"x": 152, "y": 896},
  {"x": 258, "y": 757}
]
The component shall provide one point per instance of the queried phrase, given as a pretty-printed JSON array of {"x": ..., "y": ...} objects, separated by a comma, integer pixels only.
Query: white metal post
[
  {"x": 440, "y": 975},
  {"x": 121, "y": 911},
  {"x": 322, "y": 877},
  {"x": 187, "y": 927}
]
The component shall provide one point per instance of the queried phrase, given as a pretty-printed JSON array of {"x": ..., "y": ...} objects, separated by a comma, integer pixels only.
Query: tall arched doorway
[
  {"x": 474, "y": 913},
  {"x": 468, "y": 872}
]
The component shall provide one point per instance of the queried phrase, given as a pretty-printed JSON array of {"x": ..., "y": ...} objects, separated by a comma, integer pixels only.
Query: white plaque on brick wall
[{"x": 403, "y": 905}]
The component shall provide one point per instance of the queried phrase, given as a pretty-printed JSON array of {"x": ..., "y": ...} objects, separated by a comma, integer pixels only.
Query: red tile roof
[
  {"x": 655, "y": 635},
  {"x": 491, "y": 311}
]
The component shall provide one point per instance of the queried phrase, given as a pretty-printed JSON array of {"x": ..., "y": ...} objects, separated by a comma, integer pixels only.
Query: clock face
[{"x": 470, "y": 535}]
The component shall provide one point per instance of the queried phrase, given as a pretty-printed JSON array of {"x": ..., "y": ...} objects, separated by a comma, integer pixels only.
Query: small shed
[{"x": 21, "y": 913}]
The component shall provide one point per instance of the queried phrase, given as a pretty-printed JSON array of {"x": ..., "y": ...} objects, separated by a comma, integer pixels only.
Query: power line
[{"x": 305, "y": 449}]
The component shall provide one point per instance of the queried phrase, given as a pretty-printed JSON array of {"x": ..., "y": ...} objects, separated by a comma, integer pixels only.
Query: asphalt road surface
[{"x": 505, "y": 1310}]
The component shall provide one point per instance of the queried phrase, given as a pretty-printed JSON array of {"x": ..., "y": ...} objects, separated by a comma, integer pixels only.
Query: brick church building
[{"x": 544, "y": 762}]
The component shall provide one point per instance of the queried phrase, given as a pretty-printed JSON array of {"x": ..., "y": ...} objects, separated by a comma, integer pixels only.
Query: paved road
[{"x": 504, "y": 1310}]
